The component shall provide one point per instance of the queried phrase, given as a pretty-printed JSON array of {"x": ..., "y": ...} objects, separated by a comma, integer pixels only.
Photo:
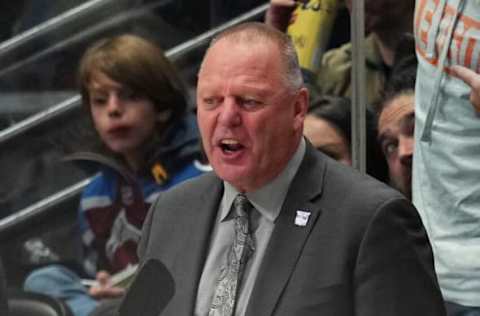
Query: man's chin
[
  {"x": 240, "y": 179},
  {"x": 231, "y": 174},
  {"x": 406, "y": 190}
]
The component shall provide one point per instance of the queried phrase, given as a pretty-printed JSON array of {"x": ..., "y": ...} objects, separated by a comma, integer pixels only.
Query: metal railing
[
  {"x": 42, "y": 206},
  {"x": 358, "y": 110},
  {"x": 79, "y": 36},
  {"x": 359, "y": 94},
  {"x": 70, "y": 104},
  {"x": 39, "y": 118},
  {"x": 52, "y": 24},
  {"x": 173, "y": 53}
]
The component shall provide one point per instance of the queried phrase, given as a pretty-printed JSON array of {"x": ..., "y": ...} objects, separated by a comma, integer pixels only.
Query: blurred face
[
  {"x": 250, "y": 123},
  {"x": 395, "y": 129},
  {"x": 123, "y": 119},
  {"x": 381, "y": 14},
  {"x": 326, "y": 138}
]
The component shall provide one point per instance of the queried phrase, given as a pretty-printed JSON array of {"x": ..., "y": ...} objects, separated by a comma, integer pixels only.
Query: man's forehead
[
  {"x": 245, "y": 47},
  {"x": 395, "y": 111},
  {"x": 246, "y": 64},
  {"x": 242, "y": 73}
]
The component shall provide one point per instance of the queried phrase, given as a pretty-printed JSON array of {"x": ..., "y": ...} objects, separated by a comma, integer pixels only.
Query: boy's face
[{"x": 123, "y": 119}]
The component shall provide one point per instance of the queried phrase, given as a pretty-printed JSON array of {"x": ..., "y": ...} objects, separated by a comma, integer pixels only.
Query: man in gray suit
[{"x": 321, "y": 238}]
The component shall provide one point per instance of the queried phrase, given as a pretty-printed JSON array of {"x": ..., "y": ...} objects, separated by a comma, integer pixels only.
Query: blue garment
[
  {"x": 60, "y": 282},
  {"x": 111, "y": 216},
  {"x": 112, "y": 210}
]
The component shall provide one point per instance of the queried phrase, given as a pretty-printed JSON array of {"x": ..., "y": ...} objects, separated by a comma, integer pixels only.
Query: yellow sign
[{"x": 310, "y": 31}]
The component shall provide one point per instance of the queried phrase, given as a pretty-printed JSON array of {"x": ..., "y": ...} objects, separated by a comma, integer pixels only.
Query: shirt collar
[{"x": 268, "y": 200}]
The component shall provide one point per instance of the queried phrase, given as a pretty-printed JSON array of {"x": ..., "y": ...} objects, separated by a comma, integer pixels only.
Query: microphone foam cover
[{"x": 150, "y": 292}]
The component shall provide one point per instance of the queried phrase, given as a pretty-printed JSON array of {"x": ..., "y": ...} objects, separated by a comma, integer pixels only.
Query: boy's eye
[
  {"x": 129, "y": 94},
  {"x": 98, "y": 100}
]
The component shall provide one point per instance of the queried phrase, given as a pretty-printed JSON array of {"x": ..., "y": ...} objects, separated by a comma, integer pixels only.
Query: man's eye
[
  {"x": 210, "y": 102},
  {"x": 250, "y": 103},
  {"x": 389, "y": 148}
]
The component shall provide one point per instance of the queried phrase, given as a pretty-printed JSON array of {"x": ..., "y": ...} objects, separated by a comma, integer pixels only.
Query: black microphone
[{"x": 150, "y": 292}]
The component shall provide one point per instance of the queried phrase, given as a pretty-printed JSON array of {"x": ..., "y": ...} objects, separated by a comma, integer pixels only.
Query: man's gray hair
[{"x": 255, "y": 32}]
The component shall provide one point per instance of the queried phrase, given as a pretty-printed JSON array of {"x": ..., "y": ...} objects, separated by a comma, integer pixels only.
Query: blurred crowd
[{"x": 422, "y": 137}]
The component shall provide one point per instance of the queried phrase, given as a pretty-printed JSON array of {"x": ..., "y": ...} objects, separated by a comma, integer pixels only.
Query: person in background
[
  {"x": 445, "y": 184},
  {"x": 328, "y": 128},
  {"x": 279, "y": 228},
  {"x": 385, "y": 22},
  {"x": 147, "y": 143},
  {"x": 396, "y": 123}
]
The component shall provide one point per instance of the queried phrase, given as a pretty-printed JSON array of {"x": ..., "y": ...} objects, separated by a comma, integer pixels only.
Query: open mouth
[{"x": 230, "y": 146}]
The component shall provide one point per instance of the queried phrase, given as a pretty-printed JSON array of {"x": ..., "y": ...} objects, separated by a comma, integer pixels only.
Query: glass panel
[{"x": 38, "y": 72}]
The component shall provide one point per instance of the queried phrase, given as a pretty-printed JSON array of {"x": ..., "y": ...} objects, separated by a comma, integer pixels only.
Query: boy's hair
[{"x": 139, "y": 65}]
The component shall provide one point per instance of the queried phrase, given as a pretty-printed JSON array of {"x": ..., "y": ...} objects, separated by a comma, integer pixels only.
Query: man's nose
[
  {"x": 405, "y": 149},
  {"x": 230, "y": 113}
]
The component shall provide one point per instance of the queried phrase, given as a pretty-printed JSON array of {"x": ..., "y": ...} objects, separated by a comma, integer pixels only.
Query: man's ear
[{"x": 301, "y": 107}]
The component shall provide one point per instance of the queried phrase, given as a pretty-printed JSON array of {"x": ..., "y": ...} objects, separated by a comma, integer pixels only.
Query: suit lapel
[
  {"x": 287, "y": 239},
  {"x": 189, "y": 264}
]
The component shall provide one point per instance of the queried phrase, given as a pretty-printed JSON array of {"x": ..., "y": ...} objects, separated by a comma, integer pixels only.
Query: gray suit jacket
[{"x": 364, "y": 251}]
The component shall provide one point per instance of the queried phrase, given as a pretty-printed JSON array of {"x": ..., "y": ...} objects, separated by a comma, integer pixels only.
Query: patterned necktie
[{"x": 223, "y": 303}]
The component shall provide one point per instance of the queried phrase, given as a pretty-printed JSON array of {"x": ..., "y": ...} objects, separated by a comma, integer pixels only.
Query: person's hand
[
  {"x": 279, "y": 13},
  {"x": 471, "y": 78},
  {"x": 104, "y": 289}
]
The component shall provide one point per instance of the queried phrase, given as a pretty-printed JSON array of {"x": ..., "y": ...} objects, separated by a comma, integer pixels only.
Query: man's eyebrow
[
  {"x": 408, "y": 119},
  {"x": 383, "y": 136},
  {"x": 410, "y": 116}
]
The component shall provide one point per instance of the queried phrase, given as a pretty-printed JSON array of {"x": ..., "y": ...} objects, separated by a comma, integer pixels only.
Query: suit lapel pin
[{"x": 302, "y": 218}]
